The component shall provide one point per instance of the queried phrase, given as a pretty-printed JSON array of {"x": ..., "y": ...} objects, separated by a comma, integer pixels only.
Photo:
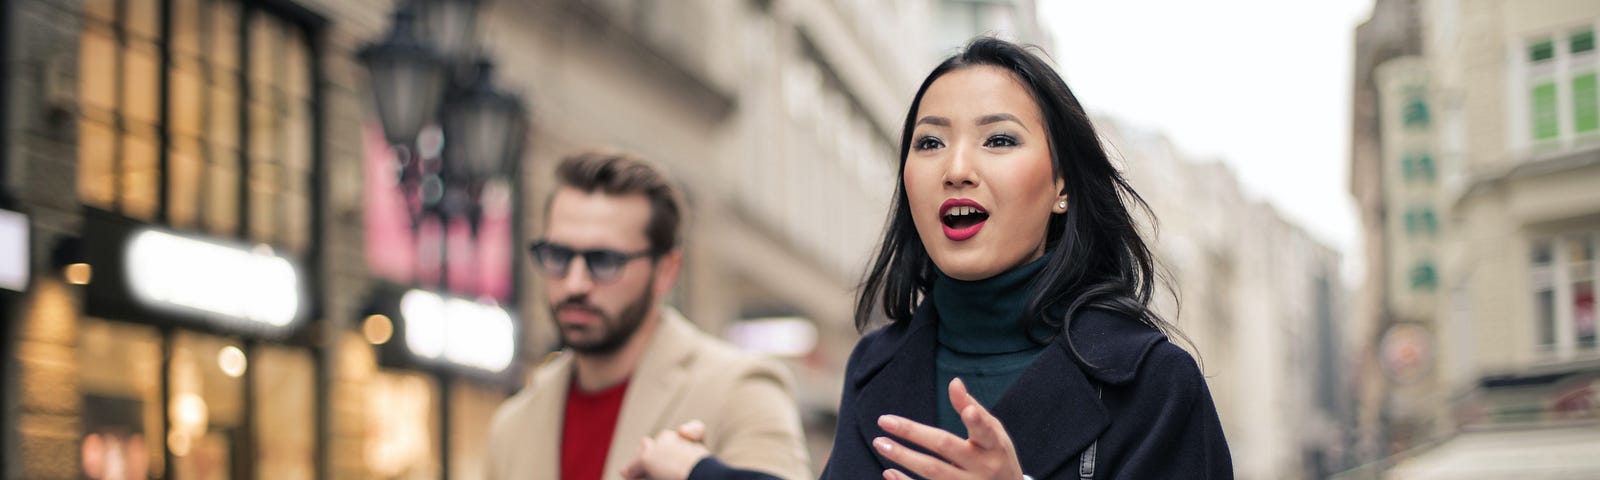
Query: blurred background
[{"x": 284, "y": 238}]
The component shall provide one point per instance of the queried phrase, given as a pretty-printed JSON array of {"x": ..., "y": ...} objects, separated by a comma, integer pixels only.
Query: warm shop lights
[
  {"x": 251, "y": 287},
  {"x": 456, "y": 330}
]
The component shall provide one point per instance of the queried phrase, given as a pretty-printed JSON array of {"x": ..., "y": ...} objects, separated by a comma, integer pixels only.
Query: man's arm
[{"x": 759, "y": 426}]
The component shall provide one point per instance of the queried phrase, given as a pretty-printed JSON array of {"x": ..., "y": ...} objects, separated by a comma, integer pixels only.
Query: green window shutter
[
  {"x": 1430, "y": 222},
  {"x": 1425, "y": 167},
  {"x": 1585, "y": 104},
  {"x": 1541, "y": 51},
  {"x": 1411, "y": 221},
  {"x": 1544, "y": 111},
  {"x": 1582, "y": 41}
]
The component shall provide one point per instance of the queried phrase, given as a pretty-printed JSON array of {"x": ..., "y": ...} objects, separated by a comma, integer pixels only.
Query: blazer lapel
[
  {"x": 550, "y": 400},
  {"x": 1051, "y": 412},
  {"x": 655, "y": 387}
]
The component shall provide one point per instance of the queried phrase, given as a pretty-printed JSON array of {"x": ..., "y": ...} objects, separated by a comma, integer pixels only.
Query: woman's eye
[
  {"x": 926, "y": 143},
  {"x": 1000, "y": 141}
]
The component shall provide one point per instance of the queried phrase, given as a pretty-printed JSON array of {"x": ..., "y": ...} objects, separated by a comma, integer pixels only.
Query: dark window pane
[
  {"x": 1583, "y": 313},
  {"x": 1582, "y": 41},
  {"x": 1541, "y": 51},
  {"x": 1544, "y": 303}
]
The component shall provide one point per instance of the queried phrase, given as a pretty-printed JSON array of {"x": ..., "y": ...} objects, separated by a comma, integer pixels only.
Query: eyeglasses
[{"x": 604, "y": 265}]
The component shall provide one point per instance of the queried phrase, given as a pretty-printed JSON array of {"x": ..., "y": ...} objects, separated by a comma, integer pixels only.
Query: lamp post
[{"x": 435, "y": 78}]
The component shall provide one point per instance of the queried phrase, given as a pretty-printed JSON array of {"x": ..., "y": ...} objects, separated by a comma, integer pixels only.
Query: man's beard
[{"x": 618, "y": 330}]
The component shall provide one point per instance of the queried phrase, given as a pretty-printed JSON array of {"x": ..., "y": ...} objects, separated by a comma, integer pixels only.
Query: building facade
[
  {"x": 245, "y": 127},
  {"x": 1511, "y": 362},
  {"x": 1274, "y": 362}
]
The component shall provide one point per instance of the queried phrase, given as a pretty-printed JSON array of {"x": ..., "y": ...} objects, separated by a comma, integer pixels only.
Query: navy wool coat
[{"x": 1142, "y": 398}]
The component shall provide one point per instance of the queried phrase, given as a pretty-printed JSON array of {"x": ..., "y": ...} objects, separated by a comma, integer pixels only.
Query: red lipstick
[{"x": 962, "y": 218}]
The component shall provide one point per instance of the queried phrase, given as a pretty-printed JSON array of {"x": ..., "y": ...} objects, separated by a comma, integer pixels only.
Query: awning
[{"x": 1522, "y": 454}]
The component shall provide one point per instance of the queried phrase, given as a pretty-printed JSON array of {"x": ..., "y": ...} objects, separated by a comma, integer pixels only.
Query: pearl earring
[{"x": 1063, "y": 204}]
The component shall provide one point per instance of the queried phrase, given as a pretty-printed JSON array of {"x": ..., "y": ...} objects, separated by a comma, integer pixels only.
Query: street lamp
[
  {"x": 407, "y": 77},
  {"x": 450, "y": 26},
  {"x": 482, "y": 128}
]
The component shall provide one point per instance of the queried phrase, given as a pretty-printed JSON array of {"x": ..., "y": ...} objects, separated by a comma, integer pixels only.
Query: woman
[{"x": 1017, "y": 288}]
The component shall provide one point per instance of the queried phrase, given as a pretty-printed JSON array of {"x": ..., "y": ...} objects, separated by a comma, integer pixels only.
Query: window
[
  {"x": 1560, "y": 86},
  {"x": 1544, "y": 293},
  {"x": 199, "y": 119},
  {"x": 1564, "y": 291}
]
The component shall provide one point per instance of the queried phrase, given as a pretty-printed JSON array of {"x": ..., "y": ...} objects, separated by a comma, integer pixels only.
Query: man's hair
[{"x": 619, "y": 173}]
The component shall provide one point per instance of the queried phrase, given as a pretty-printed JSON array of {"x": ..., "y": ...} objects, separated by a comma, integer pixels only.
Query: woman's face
[{"x": 978, "y": 177}]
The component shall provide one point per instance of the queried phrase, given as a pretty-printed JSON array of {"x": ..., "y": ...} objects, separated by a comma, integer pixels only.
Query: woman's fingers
[
  {"x": 983, "y": 429},
  {"x": 918, "y": 462},
  {"x": 943, "y": 443},
  {"x": 694, "y": 431}
]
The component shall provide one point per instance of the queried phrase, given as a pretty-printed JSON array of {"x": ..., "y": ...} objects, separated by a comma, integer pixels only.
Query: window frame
[
  {"x": 1555, "y": 277},
  {"x": 1559, "y": 73}
]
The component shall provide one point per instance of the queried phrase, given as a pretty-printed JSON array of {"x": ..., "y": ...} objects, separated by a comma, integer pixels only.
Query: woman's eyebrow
[{"x": 1000, "y": 117}]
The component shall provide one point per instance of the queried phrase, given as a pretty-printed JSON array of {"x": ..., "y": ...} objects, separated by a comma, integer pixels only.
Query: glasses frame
[{"x": 602, "y": 256}]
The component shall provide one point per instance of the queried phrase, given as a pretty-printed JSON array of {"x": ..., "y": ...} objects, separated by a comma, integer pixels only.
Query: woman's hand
[
  {"x": 671, "y": 455},
  {"x": 986, "y": 454}
]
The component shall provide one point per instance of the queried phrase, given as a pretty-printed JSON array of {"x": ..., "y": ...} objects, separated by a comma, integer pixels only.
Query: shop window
[
  {"x": 119, "y": 379},
  {"x": 236, "y": 126},
  {"x": 402, "y": 435},
  {"x": 206, "y": 407},
  {"x": 285, "y": 409}
]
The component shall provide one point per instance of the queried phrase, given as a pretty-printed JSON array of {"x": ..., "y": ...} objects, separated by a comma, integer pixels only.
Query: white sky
[{"x": 1263, "y": 85}]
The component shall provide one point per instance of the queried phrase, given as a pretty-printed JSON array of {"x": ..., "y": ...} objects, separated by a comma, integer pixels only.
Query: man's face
[{"x": 599, "y": 315}]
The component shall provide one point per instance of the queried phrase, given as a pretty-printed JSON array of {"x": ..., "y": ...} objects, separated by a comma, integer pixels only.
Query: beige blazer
[{"x": 745, "y": 400}]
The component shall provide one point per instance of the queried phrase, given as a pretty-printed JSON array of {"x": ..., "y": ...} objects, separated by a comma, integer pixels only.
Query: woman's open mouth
[{"x": 962, "y": 218}]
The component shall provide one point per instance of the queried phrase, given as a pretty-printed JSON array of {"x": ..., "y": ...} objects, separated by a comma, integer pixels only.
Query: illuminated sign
[
  {"x": 250, "y": 288},
  {"x": 13, "y": 251},
  {"x": 459, "y": 331}
]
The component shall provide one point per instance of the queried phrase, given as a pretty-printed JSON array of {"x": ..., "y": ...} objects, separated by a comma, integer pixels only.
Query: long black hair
[{"x": 1096, "y": 257}]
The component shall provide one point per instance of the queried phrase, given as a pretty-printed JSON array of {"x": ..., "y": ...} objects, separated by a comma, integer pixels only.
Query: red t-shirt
[{"x": 586, "y": 434}]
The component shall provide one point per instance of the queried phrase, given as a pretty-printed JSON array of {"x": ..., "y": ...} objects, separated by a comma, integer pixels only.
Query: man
[{"x": 631, "y": 367}]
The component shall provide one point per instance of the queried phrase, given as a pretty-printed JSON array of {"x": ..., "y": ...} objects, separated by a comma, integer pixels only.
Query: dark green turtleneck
[{"x": 983, "y": 337}]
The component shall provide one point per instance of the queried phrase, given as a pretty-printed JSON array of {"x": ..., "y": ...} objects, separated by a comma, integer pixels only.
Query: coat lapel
[
  {"x": 904, "y": 386},
  {"x": 654, "y": 389},
  {"x": 1051, "y": 412},
  {"x": 550, "y": 399}
]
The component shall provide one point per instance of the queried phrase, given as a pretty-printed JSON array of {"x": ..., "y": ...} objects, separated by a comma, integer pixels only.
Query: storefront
[
  {"x": 195, "y": 357},
  {"x": 197, "y": 164},
  {"x": 443, "y": 362}
]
